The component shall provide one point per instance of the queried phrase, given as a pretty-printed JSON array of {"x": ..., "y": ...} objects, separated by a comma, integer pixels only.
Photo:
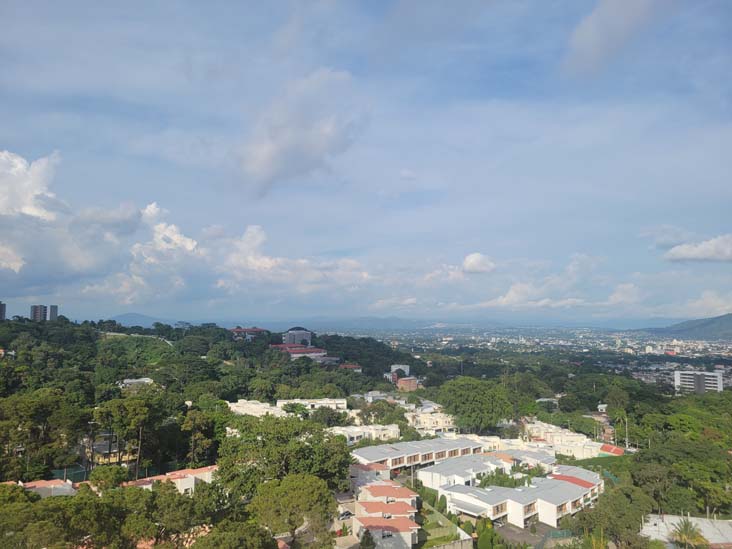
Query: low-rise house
[
  {"x": 379, "y": 509},
  {"x": 185, "y": 480},
  {"x": 351, "y": 368},
  {"x": 48, "y": 488},
  {"x": 465, "y": 470},
  {"x": 388, "y": 492},
  {"x": 246, "y": 334},
  {"x": 361, "y": 475},
  {"x": 420, "y": 452},
  {"x": 393, "y": 533},
  {"x": 356, "y": 433},
  {"x": 431, "y": 423},
  {"x": 255, "y": 408},
  {"x": 527, "y": 458},
  {"x": 296, "y": 351},
  {"x": 135, "y": 383}
]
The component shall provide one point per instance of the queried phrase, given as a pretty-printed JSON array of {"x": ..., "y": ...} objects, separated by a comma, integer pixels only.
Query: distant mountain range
[{"x": 718, "y": 327}]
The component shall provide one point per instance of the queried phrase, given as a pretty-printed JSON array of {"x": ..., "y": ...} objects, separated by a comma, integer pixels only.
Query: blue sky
[{"x": 504, "y": 160}]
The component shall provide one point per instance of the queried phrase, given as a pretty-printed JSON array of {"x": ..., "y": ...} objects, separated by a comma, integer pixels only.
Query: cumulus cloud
[
  {"x": 624, "y": 294},
  {"x": 709, "y": 303},
  {"x": 313, "y": 122},
  {"x": 607, "y": 29},
  {"x": 9, "y": 258},
  {"x": 393, "y": 303},
  {"x": 478, "y": 263},
  {"x": 715, "y": 249},
  {"x": 667, "y": 236},
  {"x": 24, "y": 186}
]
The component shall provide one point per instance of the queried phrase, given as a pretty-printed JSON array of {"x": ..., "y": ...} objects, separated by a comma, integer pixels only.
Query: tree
[
  {"x": 478, "y": 405},
  {"x": 108, "y": 476},
  {"x": 235, "y": 535},
  {"x": 688, "y": 534},
  {"x": 367, "y": 541},
  {"x": 442, "y": 504},
  {"x": 285, "y": 505},
  {"x": 200, "y": 427}
]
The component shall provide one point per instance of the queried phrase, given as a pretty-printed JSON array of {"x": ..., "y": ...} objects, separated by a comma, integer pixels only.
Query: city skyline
[{"x": 511, "y": 162}]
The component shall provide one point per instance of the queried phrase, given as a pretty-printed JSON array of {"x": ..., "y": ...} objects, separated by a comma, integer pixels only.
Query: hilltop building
[
  {"x": 298, "y": 336},
  {"x": 689, "y": 381}
]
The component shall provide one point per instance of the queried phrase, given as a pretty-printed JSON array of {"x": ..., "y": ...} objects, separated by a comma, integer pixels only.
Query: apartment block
[
  {"x": 185, "y": 480},
  {"x": 689, "y": 381},
  {"x": 431, "y": 423},
  {"x": 421, "y": 452},
  {"x": 465, "y": 470},
  {"x": 338, "y": 404}
]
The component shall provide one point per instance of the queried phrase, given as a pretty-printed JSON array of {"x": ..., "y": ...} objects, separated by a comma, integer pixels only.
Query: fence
[{"x": 553, "y": 535}]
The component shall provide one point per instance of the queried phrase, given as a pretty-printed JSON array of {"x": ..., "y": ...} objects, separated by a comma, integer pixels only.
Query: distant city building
[
  {"x": 53, "y": 312},
  {"x": 3, "y": 311},
  {"x": 698, "y": 382},
  {"x": 407, "y": 384},
  {"x": 38, "y": 313},
  {"x": 297, "y": 336},
  {"x": 247, "y": 334}
]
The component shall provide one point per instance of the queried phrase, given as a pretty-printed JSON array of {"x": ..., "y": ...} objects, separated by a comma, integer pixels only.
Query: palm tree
[{"x": 688, "y": 534}]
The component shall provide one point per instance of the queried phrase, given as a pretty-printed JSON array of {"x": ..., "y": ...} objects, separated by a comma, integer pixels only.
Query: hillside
[{"x": 718, "y": 327}]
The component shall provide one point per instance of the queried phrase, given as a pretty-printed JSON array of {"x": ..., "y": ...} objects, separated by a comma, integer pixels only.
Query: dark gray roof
[{"x": 388, "y": 451}]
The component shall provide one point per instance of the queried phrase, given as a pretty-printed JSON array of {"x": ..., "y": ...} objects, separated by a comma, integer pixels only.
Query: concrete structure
[
  {"x": 403, "y": 367},
  {"x": 431, "y": 423},
  {"x": 660, "y": 527},
  {"x": 420, "y": 452},
  {"x": 407, "y": 384},
  {"x": 297, "y": 336},
  {"x": 296, "y": 351},
  {"x": 351, "y": 368},
  {"x": 565, "y": 442},
  {"x": 356, "y": 433},
  {"x": 255, "y": 408},
  {"x": 134, "y": 383},
  {"x": 53, "y": 312},
  {"x": 246, "y": 334},
  {"x": 526, "y": 458},
  {"x": 185, "y": 480},
  {"x": 546, "y": 500},
  {"x": 38, "y": 313},
  {"x": 48, "y": 488},
  {"x": 338, "y": 404},
  {"x": 465, "y": 470},
  {"x": 689, "y": 381},
  {"x": 3, "y": 311}
]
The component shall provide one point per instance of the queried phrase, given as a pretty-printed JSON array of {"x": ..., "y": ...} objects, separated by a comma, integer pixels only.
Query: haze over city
[{"x": 509, "y": 161}]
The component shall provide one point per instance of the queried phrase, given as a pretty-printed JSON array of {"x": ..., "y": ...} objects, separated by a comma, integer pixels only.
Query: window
[
  {"x": 465, "y": 451},
  {"x": 440, "y": 455},
  {"x": 453, "y": 453}
]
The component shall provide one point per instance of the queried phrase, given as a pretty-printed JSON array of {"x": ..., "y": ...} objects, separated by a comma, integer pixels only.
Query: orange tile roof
[
  {"x": 44, "y": 483},
  {"x": 396, "y": 508},
  {"x": 573, "y": 480},
  {"x": 389, "y": 491},
  {"x": 399, "y": 524}
]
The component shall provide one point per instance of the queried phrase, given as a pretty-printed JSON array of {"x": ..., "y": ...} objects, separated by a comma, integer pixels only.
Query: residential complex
[
  {"x": 255, "y": 408},
  {"x": 338, "y": 404},
  {"x": 430, "y": 423},
  {"x": 547, "y": 500},
  {"x": 185, "y": 480},
  {"x": 421, "y": 452},
  {"x": 698, "y": 382},
  {"x": 356, "y": 433}
]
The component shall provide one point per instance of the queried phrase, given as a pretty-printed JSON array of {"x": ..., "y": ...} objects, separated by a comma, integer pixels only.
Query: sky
[{"x": 507, "y": 160}]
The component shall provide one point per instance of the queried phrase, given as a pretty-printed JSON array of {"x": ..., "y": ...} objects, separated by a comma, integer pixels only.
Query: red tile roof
[
  {"x": 573, "y": 480},
  {"x": 389, "y": 491},
  {"x": 44, "y": 483},
  {"x": 371, "y": 466},
  {"x": 399, "y": 524},
  {"x": 396, "y": 508}
]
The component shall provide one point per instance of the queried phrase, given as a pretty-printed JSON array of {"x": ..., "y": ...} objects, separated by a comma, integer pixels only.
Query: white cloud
[
  {"x": 714, "y": 249},
  {"x": 667, "y": 236},
  {"x": 625, "y": 294},
  {"x": 478, "y": 263},
  {"x": 313, "y": 122},
  {"x": 607, "y": 29},
  {"x": 9, "y": 258},
  {"x": 393, "y": 303},
  {"x": 24, "y": 185},
  {"x": 709, "y": 303}
]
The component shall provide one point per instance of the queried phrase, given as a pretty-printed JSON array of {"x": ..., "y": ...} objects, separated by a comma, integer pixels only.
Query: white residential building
[
  {"x": 546, "y": 499},
  {"x": 420, "y": 452},
  {"x": 185, "y": 480},
  {"x": 689, "y": 381},
  {"x": 465, "y": 470},
  {"x": 356, "y": 433},
  {"x": 338, "y": 404},
  {"x": 255, "y": 408},
  {"x": 430, "y": 423}
]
